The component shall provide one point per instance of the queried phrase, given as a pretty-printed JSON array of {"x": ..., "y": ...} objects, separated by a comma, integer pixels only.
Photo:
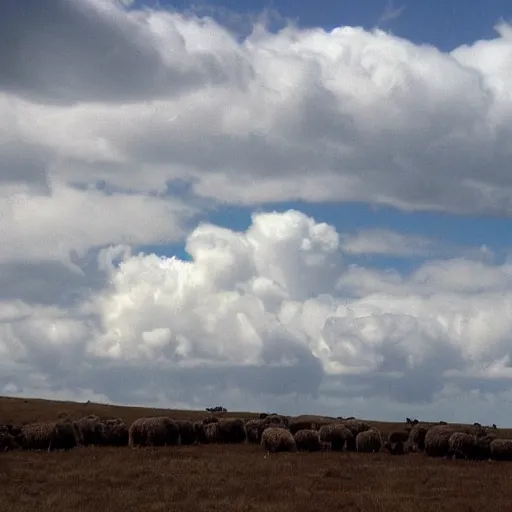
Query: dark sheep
[
  {"x": 338, "y": 436},
  {"x": 307, "y": 440},
  {"x": 188, "y": 434},
  {"x": 369, "y": 441},
  {"x": 483, "y": 447},
  {"x": 462, "y": 445},
  {"x": 92, "y": 430},
  {"x": 395, "y": 448},
  {"x": 273, "y": 420},
  {"x": 437, "y": 441},
  {"x": 416, "y": 439},
  {"x": 307, "y": 423},
  {"x": 252, "y": 429},
  {"x": 263, "y": 415},
  {"x": 115, "y": 432},
  {"x": 399, "y": 436},
  {"x": 49, "y": 436},
  {"x": 232, "y": 431},
  {"x": 210, "y": 419},
  {"x": 7, "y": 441},
  {"x": 356, "y": 426},
  {"x": 277, "y": 439},
  {"x": 501, "y": 449},
  {"x": 199, "y": 427},
  {"x": 157, "y": 431}
]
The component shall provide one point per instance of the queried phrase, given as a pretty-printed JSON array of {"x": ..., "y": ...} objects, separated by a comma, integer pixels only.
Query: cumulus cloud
[
  {"x": 106, "y": 108},
  {"x": 109, "y": 93},
  {"x": 271, "y": 315}
]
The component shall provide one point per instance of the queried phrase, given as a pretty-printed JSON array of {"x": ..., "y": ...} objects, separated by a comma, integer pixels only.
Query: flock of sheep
[{"x": 275, "y": 433}]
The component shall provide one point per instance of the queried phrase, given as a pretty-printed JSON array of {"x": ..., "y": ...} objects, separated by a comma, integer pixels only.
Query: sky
[{"x": 293, "y": 207}]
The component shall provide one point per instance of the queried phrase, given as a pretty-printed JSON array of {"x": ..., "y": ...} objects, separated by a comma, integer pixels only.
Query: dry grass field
[{"x": 228, "y": 478}]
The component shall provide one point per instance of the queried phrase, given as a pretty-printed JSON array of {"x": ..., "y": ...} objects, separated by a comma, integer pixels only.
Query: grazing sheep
[
  {"x": 263, "y": 415},
  {"x": 483, "y": 447},
  {"x": 416, "y": 439},
  {"x": 115, "y": 432},
  {"x": 7, "y": 440},
  {"x": 232, "y": 431},
  {"x": 369, "y": 441},
  {"x": 356, "y": 426},
  {"x": 212, "y": 432},
  {"x": 92, "y": 430},
  {"x": 157, "y": 431},
  {"x": 200, "y": 432},
  {"x": 338, "y": 436},
  {"x": 273, "y": 420},
  {"x": 442, "y": 423},
  {"x": 437, "y": 441},
  {"x": 307, "y": 423},
  {"x": 462, "y": 445},
  {"x": 307, "y": 440},
  {"x": 277, "y": 439},
  {"x": 252, "y": 429},
  {"x": 398, "y": 436},
  {"x": 210, "y": 419},
  {"x": 187, "y": 432},
  {"x": 501, "y": 449},
  {"x": 49, "y": 436},
  {"x": 395, "y": 448}
]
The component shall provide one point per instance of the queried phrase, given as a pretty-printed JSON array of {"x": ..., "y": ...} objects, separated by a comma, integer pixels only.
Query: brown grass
[{"x": 228, "y": 478}]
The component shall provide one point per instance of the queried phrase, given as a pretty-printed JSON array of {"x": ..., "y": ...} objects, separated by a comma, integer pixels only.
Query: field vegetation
[{"x": 243, "y": 476}]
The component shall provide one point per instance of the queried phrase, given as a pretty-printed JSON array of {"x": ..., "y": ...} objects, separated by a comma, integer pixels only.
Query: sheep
[
  {"x": 157, "y": 431},
  {"x": 7, "y": 440},
  {"x": 501, "y": 449},
  {"x": 416, "y": 441},
  {"x": 212, "y": 432},
  {"x": 483, "y": 447},
  {"x": 277, "y": 439},
  {"x": 273, "y": 420},
  {"x": 395, "y": 448},
  {"x": 188, "y": 434},
  {"x": 200, "y": 432},
  {"x": 307, "y": 440},
  {"x": 115, "y": 432},
  {"x": 252, "y": 429},
  {"x": 462, "y": 445},
  {"x": 369, "y": 441},
  {"x": 437, "y": 441},
  {"x": 92, "y": 430},
  {"x": 307, "y": 423},
  {"x": 338, "y": 436},
  {"x": 49, "y": 436},
  {"x": 355, "y": 427},
  {"x": 232, "y": 431},
  {"x": 398, "y": 436}
]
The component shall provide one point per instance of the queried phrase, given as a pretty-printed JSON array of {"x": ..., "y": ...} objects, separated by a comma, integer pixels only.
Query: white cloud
[
  {"x": 390, "y": 243},
  {"x": 106, "y": 106},
  {"x": 239, "y": 320},
  {"x": 299, "y": 114}
]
